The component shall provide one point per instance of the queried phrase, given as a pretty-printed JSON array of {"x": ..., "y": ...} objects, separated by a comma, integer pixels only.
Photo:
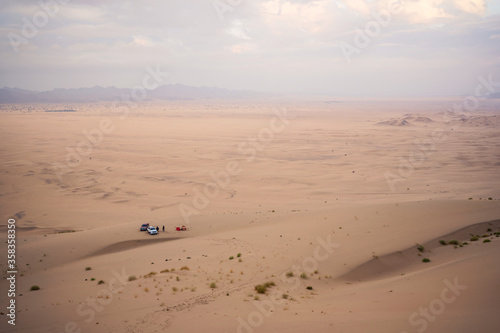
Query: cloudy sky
[{"x": 336, "y": 47}]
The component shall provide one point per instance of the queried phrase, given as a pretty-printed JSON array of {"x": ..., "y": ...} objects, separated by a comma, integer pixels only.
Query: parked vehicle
[
  {"x": 144, "y": 227},
  {"x": 152, "y": 230}
]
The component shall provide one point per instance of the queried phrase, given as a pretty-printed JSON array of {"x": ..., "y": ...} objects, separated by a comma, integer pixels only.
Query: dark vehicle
[{"x": 144, "y": 227}]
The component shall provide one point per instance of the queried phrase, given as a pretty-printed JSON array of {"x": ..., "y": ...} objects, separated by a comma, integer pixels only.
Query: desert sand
[{"x": 333, "y": 203}]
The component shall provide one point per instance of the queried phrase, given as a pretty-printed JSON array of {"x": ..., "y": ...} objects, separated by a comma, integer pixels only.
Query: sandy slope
[{"x": 314, "y": 199}]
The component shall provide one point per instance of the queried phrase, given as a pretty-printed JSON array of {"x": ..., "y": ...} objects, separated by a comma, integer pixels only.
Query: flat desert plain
[{"x": 322, "y": 215}]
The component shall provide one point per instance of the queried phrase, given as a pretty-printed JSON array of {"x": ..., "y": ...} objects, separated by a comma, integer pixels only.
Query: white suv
[{"x": 152, "y": 230}]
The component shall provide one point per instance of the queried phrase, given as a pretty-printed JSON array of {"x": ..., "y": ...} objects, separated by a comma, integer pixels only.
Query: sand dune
[
  {"x": 410, "y": 259},
  {"x": 321, "y": 198},
  {"x": 128, "y": 245}
]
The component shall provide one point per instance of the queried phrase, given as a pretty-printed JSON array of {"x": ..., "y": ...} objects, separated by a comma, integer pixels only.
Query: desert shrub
[
  {"x": 213, "y": 285},
  {"x": 303, "y": 276},
  {"x": 165, "y": 271},
  {"x": 474, "y": 238},
  {"x": 238, "y": 255},
  {"x": 487, "y": 241},
  {"x": 100, "y": 282},
  {"x": 426, "y": 260},
  {"x": 261, "y": 289},
  {"x": 420, "y": 248},
  {"x": 132, "y": 278},
  {"x": 174, "y": 289},
  {"x": 231, "y": 258},
  {"x": 442, "y": 242},
  {"x": 285, "y": 296},
  {"x": 88, "y": 268},
  {"x": 184, "y": 268},
  {"x": 309, "y": 288},
  {"x": 92, "y": 279},
  {"x": 289, "y": 274},
  {"x": 465, "y": 243},
  {"x": 454, "y": 242},
  {"x": 35, "y": 287}
]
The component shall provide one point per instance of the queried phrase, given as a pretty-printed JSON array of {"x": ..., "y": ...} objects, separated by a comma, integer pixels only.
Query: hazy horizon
[{"x": 379, "y": 48}]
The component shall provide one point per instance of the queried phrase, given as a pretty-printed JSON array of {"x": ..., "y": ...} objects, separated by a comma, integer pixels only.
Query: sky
[{"x": 387, "y": 48}]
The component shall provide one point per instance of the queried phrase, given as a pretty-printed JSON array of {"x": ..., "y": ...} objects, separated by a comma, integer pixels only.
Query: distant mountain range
[{"x": 98, "y": 94}]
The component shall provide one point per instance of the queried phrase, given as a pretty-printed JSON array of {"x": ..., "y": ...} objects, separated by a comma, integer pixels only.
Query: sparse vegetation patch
[{"x": 262, "y": 288}]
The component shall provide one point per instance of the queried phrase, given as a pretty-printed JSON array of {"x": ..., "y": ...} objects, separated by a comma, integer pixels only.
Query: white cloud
[
  {"x": 284, "y": 17},
  {"x": 477, "y": 7},
  {"x": 238, "y": 30},
  {"x": 81, "y": 13},
  {"x": 142, "y": 41},
  {"x": 424, "y": 11},
  {"x": 243, "y": 48},
  {"x": 359, "y": 6}
]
